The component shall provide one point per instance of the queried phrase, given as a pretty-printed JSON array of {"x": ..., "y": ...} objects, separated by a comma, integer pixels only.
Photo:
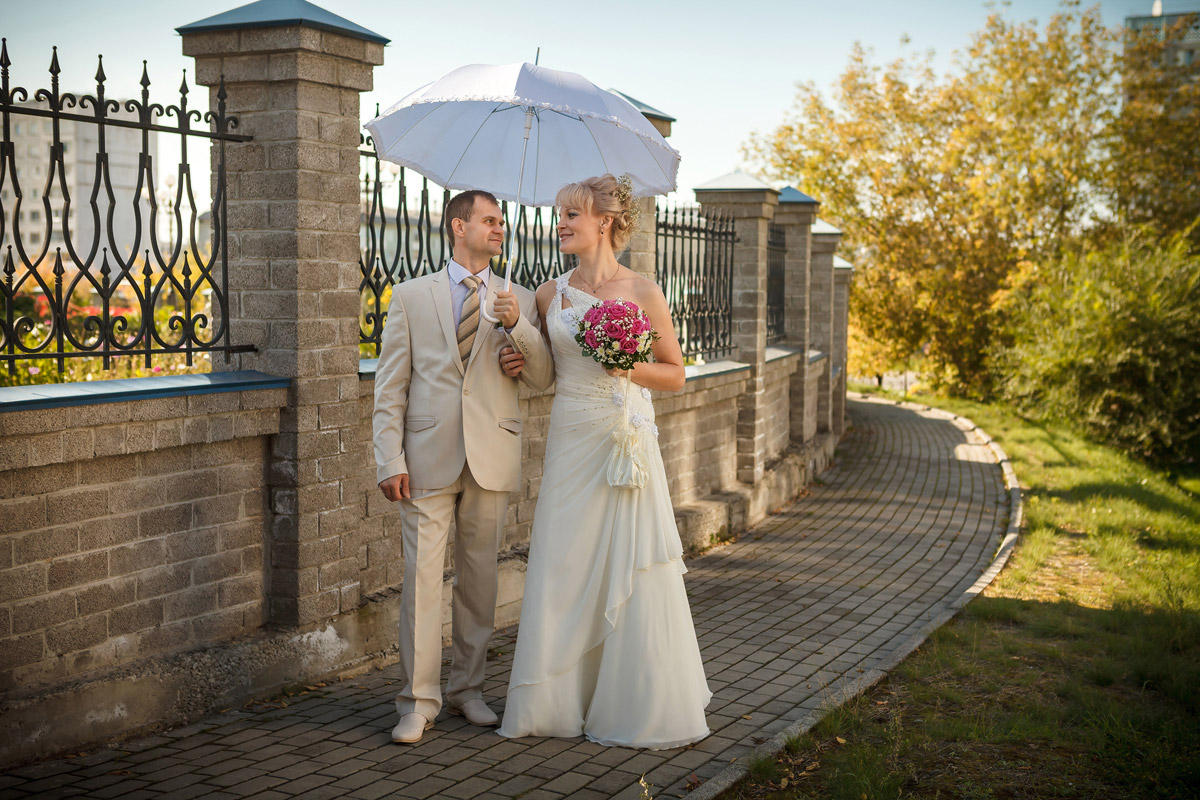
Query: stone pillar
[
  {"x": 796, "y": 213},
  {"x": 825, "y": 239},
  {"x": 752, "y": 204},
  {"x": 642, "y": 255},
  {"x": 293, "y": 203},
  {"x": 842, "y": 273}
]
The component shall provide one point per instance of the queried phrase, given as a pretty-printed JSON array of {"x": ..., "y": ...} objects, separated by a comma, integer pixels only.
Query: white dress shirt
[{"x": 458, "y": 289}]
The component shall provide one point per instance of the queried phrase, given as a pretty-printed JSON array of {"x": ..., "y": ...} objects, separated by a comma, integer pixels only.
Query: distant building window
[
  {"x": 35, "y": 216},
  {"x": 35, "y": 238},
  {"x": 1188, "y": 55},
  {"x": 17, "y": 129}
]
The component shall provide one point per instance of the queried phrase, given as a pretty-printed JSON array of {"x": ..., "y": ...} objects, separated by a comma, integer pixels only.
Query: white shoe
[
  {"x": 476, "y": 712},
  {"x": 411, "y": 728}
]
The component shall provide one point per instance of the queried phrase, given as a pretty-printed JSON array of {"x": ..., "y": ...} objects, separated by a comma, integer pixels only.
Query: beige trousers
[{"x": 479, "y": 516}]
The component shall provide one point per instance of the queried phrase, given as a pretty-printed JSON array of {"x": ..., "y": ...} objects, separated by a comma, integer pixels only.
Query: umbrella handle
[{"x": 483, "y": 312}]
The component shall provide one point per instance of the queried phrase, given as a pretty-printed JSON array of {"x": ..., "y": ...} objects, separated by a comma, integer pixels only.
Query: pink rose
[
  {"x": 590, "y": 338},
  {"x": 592, "y": 316},
  {"x": 613, "y": 331},
  {"x": 629, "y": 346},
  {"x": 618, "y": 311}
]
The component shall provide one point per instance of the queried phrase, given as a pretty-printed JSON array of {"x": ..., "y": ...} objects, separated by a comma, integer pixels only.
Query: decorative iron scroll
[
  {"x": 695, "y": 271},
  {"x": 76, "y": 284},
  {"x": 404, "y": 237},
  {"x": 776, "y": 254}
]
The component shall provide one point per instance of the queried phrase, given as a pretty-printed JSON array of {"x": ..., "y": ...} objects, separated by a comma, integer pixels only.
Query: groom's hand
[
  {"x": 395, "y": 487},
  {"x": 506, "y": 309},
  {"x": 511, "y": 361}
]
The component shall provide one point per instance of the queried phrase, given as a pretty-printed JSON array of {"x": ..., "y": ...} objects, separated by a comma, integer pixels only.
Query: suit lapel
[
  {"x": 440, "y": 289},
  {"x": 485, "y": 327}
]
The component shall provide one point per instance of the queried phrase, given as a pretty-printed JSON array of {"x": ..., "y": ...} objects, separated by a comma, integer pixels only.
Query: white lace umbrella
[{"x": 522, "y": 131}]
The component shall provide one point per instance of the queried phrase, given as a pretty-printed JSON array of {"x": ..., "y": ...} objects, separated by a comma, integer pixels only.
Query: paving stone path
[{"x": 809, "y": 607}]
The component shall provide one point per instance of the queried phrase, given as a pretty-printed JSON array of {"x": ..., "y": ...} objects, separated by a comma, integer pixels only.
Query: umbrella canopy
[{"x": 468, "y": 130}]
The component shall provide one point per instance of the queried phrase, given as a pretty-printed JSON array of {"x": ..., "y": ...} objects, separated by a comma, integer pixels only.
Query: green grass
[
  {"x": 1189, "y": 483},
  {"x": 1076, "y": 674}
]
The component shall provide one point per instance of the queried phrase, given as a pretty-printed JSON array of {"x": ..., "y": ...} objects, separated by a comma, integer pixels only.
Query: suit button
[{"x": 466, "y": 391}]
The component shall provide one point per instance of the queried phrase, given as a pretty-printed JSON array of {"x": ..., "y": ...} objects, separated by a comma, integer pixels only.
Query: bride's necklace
[{"x": 595, "y": 287}]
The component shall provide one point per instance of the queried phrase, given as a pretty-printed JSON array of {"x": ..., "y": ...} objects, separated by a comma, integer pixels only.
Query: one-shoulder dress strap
[{"x": 562, "y": 282}]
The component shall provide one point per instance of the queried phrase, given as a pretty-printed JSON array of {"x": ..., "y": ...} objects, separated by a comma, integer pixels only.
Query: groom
[{"x": 448, "y": 447}]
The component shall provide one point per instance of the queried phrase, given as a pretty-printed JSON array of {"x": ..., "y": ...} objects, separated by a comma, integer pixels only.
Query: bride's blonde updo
[{"x": 606, "y": 196}]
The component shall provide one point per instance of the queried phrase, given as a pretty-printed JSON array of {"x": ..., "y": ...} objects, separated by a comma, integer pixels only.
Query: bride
[{"x": 606, "y": 647}]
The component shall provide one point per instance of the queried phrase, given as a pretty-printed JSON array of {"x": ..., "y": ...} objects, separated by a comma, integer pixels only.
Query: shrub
[{"x": 1110, "y": 341}]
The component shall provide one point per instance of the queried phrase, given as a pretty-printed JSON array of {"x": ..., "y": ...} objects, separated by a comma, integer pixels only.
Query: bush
[{"x": 1110, "y": 341}]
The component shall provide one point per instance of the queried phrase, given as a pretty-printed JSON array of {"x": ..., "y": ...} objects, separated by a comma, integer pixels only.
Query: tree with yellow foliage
[{"x": 952, "y": 189}]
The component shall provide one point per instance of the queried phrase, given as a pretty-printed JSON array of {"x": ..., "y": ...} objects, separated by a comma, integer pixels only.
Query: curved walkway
[{"x": 808, "y": 608}]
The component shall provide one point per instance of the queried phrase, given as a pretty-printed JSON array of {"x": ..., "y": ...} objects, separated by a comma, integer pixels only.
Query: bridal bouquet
[{"x": 618, "y": 334}]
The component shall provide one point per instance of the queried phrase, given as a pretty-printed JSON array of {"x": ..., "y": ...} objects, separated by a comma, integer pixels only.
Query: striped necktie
[{"x": 468, "y": 322}]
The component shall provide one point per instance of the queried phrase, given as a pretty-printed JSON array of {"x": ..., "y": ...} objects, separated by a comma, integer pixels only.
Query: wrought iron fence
[
  {"x": 403, "y": 236},
  {"x": 76, "y": 288},
  {"x": 695, "y": 271},
  {"x": 776, "y": 252}
]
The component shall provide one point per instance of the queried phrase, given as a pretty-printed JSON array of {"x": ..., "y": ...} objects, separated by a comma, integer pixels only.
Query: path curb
[{"x": 734, "y": 772}]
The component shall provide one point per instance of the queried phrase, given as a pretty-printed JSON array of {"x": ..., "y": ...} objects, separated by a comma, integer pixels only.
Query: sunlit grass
[{"x": 1075, "y": 674}]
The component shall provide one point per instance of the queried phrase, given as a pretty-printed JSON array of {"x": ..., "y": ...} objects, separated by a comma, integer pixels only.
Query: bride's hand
[
  {"x": 620, "y": 373},
  {"x": 511, "y": 361}
]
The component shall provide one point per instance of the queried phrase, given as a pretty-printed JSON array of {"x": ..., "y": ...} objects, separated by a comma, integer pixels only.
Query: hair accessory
[{"x": 624, "y": 193}]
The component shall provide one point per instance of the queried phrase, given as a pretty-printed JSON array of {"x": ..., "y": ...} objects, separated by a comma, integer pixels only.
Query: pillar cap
[
  {"x": 736, "y": 181},
  {"x": 841, "y": 263},
  {"x": 822, "y": 227},
  {"x": 648, "y": 111},
  {"x": 280, "y": 13},
  {"x": 790, "y": 194}
]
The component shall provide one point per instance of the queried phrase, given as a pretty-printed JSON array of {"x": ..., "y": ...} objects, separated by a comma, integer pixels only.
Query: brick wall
[
  {"x": 129, "y": 529},
  {"x": 697, "y": 434},
  {"x": 813, "y": 381},
  {"x": 780, "y": 368}
]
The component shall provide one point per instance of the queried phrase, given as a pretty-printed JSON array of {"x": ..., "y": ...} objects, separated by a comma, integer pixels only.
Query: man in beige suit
[{"x": 448, "y": 446}]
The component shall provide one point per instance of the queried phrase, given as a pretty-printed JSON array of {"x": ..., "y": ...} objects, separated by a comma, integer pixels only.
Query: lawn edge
[{"x": 725, "y": 780}]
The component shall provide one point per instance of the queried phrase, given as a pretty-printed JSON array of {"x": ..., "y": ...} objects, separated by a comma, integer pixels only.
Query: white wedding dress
[{"x": 606, "y": 647}]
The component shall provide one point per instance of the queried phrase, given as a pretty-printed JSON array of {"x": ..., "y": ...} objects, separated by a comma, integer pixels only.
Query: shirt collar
[{"x": 457, "y": 272}]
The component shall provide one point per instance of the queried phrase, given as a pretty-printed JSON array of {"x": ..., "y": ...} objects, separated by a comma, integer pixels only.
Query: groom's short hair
[{"x": 462, "y": 205}]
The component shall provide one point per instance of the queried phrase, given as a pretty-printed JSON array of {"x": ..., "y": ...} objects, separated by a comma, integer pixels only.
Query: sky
[{"x": 724, "y": 70}]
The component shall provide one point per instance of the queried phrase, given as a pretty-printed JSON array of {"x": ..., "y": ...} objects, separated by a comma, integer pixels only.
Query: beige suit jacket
[{"x": 432, "y": 414}]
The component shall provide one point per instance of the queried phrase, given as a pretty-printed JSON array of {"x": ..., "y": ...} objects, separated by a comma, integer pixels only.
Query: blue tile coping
[
  {"x": 367, "y": 366},
  {"x": 58, "y": 395}
]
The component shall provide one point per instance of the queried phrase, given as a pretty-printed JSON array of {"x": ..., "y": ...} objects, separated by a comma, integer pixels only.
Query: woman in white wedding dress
[{"x": 606, "y": 647}]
